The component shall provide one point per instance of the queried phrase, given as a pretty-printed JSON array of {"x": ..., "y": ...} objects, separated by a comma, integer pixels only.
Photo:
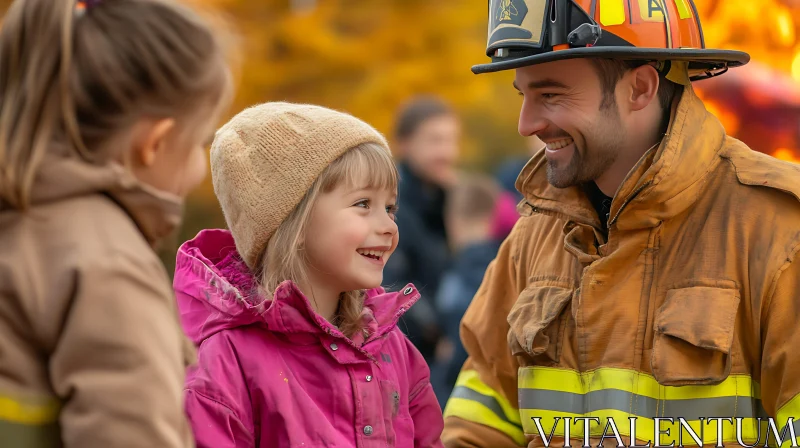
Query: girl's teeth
[{"x": 371, "y": 253}]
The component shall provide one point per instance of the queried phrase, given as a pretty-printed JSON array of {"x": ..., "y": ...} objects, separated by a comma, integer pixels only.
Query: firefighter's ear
[{"x": 643, "y": 87}]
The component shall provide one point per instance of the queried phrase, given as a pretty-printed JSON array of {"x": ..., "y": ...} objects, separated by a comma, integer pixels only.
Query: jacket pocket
[
  {"x": 694, "y": 331},
  {"x": 534, "y": 320}
]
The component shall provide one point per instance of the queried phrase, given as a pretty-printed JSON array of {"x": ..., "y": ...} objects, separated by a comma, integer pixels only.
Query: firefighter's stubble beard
[{"x": 603, "y": 142}]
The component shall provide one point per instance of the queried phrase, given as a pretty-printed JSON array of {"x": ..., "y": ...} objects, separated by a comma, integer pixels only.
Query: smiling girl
[{"x": 298, "y": 343}]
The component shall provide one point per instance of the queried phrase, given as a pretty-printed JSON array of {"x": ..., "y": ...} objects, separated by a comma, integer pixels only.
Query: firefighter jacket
[{"x": 689, "y": 309}]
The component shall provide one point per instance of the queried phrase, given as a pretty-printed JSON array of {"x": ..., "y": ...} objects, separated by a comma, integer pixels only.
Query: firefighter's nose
[{"x": 531, "y": 122}]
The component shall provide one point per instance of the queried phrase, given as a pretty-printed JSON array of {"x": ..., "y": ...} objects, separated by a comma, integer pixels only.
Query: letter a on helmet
[{"x": 527, "y": 32}]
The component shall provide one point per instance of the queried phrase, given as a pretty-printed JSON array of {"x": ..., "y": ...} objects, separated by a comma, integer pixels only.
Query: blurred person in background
[
  {"x": 508, "y": 171},
  {"x": 506, "y": 215},
  {"x": 469, "y": 219},
  {"x": 427, "y": 137}
]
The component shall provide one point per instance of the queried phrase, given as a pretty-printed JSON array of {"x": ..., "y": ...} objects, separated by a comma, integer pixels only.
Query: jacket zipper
[
  {"x": 557, "y": 214},
  {"x": 627, "y": 201}
]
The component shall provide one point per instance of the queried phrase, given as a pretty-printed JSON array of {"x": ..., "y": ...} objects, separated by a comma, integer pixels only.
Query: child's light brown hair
[
  {"x": 472, "y": 198},
  {"x": 76, "y": 78},
  {"x": 367, "y": 165}
]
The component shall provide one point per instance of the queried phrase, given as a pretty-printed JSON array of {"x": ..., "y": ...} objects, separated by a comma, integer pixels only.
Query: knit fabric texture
[{"x": 265, "y": 159}]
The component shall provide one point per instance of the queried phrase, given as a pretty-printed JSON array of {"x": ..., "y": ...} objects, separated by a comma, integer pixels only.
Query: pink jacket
[
  {"x": 279, "y": 375},
  {"x": 505, "y": 216}
]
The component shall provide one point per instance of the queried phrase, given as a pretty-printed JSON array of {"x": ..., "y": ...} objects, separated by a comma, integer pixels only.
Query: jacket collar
[
  {"x": 210, "y": 270},
  {"x": 664, "y": 183},
  {"x": 62, "y": 177},
  {"x": 290, "y": 312}
]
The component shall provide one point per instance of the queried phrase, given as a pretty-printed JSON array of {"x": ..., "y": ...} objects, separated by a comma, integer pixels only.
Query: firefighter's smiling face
[{"x": 588, "y": 136}]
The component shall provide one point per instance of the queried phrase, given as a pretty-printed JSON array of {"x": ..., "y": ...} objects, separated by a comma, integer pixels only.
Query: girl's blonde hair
[
  {"x": 367, "y": 165},
  {"x": 77, "y": 77}
]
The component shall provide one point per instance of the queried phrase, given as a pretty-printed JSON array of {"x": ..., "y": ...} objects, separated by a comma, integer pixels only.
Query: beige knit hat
[{"x": 265, "y": 159}]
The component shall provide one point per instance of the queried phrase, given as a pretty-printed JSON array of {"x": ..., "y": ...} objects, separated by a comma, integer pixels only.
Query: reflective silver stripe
[
  {"x": 20, "y": 435},
  {"x": 640, "y": 405},
  {"x": 489, "y": 402},
  {"x": 795, "y": 423}
]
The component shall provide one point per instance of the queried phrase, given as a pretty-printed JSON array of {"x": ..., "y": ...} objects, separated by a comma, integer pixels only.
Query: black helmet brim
[{"x": 709, "y": 60}]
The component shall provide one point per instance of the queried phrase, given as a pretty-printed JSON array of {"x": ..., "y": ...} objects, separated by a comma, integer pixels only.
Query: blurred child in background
[
  {"x": 506, "y": 214},
  {"x": 470, "y": 218}
]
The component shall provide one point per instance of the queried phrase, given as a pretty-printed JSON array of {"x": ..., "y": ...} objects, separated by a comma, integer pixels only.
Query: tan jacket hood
[{"x": 155, "y": 212}]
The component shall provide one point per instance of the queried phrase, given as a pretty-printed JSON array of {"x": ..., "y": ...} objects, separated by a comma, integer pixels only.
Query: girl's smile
[{"x": 375, "y": 254}]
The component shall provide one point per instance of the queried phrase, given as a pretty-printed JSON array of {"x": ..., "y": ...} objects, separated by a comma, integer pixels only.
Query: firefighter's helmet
[{"x": 527, "y": 32}]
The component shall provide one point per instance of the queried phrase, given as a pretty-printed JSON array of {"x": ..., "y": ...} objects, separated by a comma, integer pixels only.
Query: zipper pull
[{"x": 526, "y": 209}]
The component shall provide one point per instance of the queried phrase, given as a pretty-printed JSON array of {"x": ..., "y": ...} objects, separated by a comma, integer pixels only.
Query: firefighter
[{"x": 654, "y": 272}]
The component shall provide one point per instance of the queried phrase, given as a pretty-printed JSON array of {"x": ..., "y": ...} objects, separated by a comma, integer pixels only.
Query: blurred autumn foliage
[{"x": 367, "y": 57}]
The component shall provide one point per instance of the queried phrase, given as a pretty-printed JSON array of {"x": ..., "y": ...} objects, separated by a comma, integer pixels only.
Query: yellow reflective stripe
[
  {"x": 789, "y": 410},
  {"x": 475, "y": 401},
  {"x": 471, "y": 380},
  {"x": 476, "y": 412},
  {"x": 612, "y": 12},
  {"x": 639, "y": 383},
  {"x": 617, "y": 394},
  {"x": 644, "y": 428},
  {"x": 684, "y": 12},
  {"x": 28, "y": 413}
]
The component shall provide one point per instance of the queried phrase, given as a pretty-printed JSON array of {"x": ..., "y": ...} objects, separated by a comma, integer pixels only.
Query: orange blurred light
[
  {"x": 796, "y": 66},
  {"x": 788, "y": 155},
  {"x": 785, "y": 27},
  {"x": 728, "y": 119},
  {"x": 759, "y": 105}
]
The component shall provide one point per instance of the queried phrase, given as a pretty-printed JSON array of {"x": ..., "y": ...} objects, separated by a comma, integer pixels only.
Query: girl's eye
[{"x": 362, "y": 203}]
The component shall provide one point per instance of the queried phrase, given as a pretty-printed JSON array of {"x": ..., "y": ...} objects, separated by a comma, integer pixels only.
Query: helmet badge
[{"x": 506, "y": 10}]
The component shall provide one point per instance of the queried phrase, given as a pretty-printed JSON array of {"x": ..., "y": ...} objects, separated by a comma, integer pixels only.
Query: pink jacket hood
[{"x": 275, "y": 373}]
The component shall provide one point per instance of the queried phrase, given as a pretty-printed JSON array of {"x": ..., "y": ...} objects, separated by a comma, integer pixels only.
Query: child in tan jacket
[{"x": 105, "y": 111}]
